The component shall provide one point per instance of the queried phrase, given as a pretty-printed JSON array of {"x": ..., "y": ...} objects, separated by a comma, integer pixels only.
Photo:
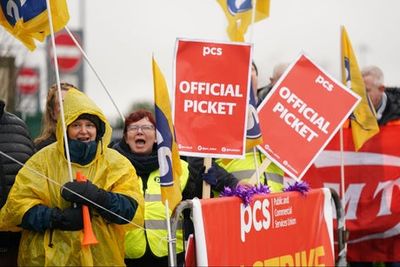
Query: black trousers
[
  {"x": 9, "y": 243},
  {"x": 150, "y": 260}
]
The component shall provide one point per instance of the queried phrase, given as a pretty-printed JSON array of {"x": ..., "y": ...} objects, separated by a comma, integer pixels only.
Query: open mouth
[
  {"x": 84, "y": 139},
  {"x": 140, "y": 142}
]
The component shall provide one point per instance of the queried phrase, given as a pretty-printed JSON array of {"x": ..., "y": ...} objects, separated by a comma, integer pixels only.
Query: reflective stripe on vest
[
  {"x": 159, "y": 224},
  {"x": 154, "y": 216},
  {"x": 277, "y": 178},
  {"x": 243, "y": 169},
  {"x": 152, "y": 198},
  {"x": 244, "y": 174}
]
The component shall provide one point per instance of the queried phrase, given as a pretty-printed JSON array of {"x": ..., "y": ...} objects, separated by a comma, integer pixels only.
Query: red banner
[
  {"x": 211, "y": 96},
  {"x": 282, "y": 229},
  {"x": 304, "y": 110},
  {"x": 372, "y": 192}
]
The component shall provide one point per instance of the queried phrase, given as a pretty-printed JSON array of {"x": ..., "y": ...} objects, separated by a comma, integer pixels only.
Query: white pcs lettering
[
  {"x": 249, "y": 217},
  {"x": 326, "y": 84},
  {"x": 215, "y": 51}
]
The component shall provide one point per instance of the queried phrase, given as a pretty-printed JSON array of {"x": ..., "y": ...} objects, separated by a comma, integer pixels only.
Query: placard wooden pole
[{"x": 206, "y": 186}]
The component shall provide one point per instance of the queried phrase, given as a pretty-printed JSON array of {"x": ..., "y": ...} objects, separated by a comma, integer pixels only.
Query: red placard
[
  {"x": 282, "y": 229},
  {"x": 301, "y": 114},
  {"x": 211, "y": 96}
]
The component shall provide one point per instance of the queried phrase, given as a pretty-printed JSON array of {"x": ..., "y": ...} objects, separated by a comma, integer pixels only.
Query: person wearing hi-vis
[
  {"x": 149, "y": 246},
  {"x": 244, "y": 169},
  {"x": 50, "y": 208}
]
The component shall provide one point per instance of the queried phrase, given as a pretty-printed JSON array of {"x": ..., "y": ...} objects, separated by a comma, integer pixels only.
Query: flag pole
[
  {"x": 171, "y": 241},
  {"x": 342, "y": 172},
  {"x": 342, "y": 186},
  {"x": 95, "y": 72},
  {"x": 53, "y": 42},
  {"x": 253, "y": 18}
]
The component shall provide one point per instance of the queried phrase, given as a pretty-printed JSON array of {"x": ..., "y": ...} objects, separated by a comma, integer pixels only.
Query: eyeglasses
[{"x": 144, "y": 128}]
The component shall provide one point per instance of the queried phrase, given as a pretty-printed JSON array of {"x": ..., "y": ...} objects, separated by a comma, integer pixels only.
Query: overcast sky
[{"x": 121, "y": 35}]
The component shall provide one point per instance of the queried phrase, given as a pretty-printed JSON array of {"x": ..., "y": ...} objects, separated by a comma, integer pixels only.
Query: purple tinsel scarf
[
  {"x": 302, "y": 187},
  {"x": 246, "y": 192}
]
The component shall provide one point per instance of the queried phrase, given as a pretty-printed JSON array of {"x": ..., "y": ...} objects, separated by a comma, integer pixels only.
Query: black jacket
[
  {"x": 224, "y": 178},
  {"x": 144, "y": 165},
  {"x": 392, "y": 110},
  {"x": 15, "y": 142}
]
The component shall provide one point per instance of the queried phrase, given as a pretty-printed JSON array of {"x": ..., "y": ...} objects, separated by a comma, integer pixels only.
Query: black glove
[
  {"x": 69, "y": 219},
  {"x": 85, "y": 189},
  {"x": 210, "y": 177}
]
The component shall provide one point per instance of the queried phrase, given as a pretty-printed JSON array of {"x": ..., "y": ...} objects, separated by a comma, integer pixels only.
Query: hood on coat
[{"x": 75, "y": 104}]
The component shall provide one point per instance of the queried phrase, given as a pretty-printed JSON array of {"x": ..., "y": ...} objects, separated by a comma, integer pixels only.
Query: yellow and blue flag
[
  {"x": 168, "y": 154},
  {"x": 363, "y": 120},
  {"x": 239, "y": 16},
  {"x": 28, "y": 20},
  {"x": 253, "y": 134}
]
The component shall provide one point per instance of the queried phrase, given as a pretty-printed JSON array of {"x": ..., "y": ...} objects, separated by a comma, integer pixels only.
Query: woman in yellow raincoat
[{"x": 46, "y": 209}]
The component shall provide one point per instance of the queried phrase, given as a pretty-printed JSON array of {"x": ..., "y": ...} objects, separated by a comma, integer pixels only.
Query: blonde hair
[{"x": 49, "y": 120}]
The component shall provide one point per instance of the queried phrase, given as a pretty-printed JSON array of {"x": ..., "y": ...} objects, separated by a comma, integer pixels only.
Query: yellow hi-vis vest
[
  {"x": 243, "y": 169},
  {"x": 154, "y": 221}
]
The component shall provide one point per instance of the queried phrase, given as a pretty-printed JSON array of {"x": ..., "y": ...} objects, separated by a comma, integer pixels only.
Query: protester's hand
[
  {"x": 210, "y": 176},
  {"x": 86, "y": 189},
  {"x": 69, "y": 219}
]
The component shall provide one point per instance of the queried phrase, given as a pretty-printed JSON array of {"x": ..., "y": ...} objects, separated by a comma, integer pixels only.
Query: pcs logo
[
  {"x": 238, "y": 6},
  {"x": 26, "y": 10}
]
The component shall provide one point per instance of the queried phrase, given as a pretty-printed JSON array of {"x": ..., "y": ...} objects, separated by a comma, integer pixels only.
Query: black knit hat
[{"x": 100, "y": 127}]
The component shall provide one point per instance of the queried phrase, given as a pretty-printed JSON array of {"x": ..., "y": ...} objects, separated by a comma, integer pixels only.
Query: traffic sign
[
  {"x": 28, "y": 81},
  {"x": 68, "y": 54}
]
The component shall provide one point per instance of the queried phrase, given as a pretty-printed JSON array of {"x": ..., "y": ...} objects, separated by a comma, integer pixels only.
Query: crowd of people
[{"x": 43, "y": 199}]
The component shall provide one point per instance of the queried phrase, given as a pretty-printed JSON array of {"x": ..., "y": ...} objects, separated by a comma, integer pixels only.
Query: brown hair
[
  {"x": 49, "y": 121},
  {"x": 137, "y": 116}
]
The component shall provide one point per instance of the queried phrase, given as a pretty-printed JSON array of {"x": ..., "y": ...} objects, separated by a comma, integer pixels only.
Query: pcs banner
[{"x": 281, "y": 229}]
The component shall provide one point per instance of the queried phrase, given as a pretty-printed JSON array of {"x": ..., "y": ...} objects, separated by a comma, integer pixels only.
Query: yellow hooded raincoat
[{"x": 109, "y": 170}]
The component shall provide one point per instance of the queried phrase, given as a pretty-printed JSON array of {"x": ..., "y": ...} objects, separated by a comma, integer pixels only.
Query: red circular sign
[
  {"x": 68, "y": 54},
  {"x": 28, "y": 81}
]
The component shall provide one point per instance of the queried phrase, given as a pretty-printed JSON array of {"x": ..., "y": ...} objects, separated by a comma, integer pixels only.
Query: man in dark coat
[{"x": 15, "y": 142}]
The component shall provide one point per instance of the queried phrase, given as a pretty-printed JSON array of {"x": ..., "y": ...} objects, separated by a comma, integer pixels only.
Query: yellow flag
[
  {"x": 167, "y": 149},
  {"x": 363, "y": 121},
  {"x": 28, "y": 20},
  {"x": 239, "y": 16}
]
